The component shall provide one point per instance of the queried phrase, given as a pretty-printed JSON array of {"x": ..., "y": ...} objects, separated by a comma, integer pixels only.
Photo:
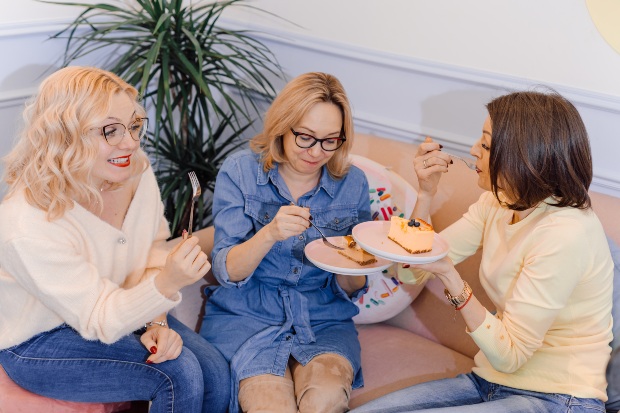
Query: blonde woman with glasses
[
  {"x": 86, "y": 272},
  {"x": 286, "y": 325}
]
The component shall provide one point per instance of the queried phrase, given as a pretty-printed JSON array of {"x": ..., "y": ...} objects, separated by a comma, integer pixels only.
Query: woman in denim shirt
[{"x": 285, "y": 325}]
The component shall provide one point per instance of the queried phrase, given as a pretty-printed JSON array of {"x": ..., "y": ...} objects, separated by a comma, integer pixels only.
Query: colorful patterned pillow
[{"x": 389, "y": 195}]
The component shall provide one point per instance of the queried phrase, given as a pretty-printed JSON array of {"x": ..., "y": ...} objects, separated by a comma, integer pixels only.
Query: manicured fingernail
[
  {"x": 440, "y": 146},
  {"x": 149, "y": 362},
  {"x": 451, "y": 161},
  {"x": 310, "y": 217},
  {"x": 184, "y": 234},
  {"x": 153, "y": 350}
]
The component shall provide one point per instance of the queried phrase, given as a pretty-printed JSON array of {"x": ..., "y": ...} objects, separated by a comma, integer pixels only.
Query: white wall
[
  {"x": 550, "y": 41},
  {"x": 411, "y": 67}
]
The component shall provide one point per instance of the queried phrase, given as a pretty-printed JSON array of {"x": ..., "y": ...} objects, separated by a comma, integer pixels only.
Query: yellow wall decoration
[{"x": 606, "y": 17}]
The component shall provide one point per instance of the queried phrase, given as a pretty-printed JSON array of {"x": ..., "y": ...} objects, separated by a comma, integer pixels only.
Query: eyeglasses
[
  {"x": 303, "y": 140},
  {"x": 115, "y": 132}
]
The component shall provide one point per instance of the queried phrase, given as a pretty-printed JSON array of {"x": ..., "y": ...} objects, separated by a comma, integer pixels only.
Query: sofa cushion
[{"x": 394, "y": 358}]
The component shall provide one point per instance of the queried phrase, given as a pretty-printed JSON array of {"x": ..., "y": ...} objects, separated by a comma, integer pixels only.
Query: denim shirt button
[
  {"x": 288, "y": 338},
  {"x": 336, "y": 220},
  {"x": 301, "y": 237},
  {"x": 295, "y": 270},
  {"x": 266, "y": 217}
]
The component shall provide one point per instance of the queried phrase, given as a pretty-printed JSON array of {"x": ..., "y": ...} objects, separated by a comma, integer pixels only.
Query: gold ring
[{"x": 424, "y": 163}]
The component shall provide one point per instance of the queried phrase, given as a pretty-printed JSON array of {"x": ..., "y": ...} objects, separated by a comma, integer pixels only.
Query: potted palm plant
[{"x": 200, "y": 82}]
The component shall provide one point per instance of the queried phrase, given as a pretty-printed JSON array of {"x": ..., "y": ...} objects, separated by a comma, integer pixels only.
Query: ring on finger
[{"x": 424, "y": 163}]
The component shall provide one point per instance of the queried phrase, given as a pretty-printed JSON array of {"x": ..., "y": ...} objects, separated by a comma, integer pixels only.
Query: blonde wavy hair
[
  {"x": 290, "y": 106},
  {"x": 53, "y": 159}
]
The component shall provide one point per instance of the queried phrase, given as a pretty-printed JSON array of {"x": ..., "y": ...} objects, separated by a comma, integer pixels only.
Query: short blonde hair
[
  {"x": 53, "y": 158},
  {"x": 290, "y": 106}
]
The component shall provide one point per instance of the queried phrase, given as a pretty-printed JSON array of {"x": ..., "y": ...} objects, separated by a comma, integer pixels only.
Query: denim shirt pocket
[
  {"x": 262, "y": 213},
  {"x": 335, "y": 220}
]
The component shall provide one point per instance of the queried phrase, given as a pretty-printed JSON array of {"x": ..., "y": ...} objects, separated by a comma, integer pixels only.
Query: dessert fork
[
  {"x": 325, "y": 240},
  {"x": 471, "y": 165},
  {"x": 196, "y": 192}
]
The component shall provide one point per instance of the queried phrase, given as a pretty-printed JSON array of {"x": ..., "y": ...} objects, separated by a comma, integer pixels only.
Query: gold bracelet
[
  {"x": 158, "y": 323},
  {"x": 461, "y": 298}
]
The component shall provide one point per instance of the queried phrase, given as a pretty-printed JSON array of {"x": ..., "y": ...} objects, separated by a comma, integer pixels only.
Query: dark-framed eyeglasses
[
  {"x": 303, "y": 140},
  {"x": 115, "y": 132}
]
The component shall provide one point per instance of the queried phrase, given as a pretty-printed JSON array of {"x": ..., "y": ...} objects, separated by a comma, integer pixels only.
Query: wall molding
[
  {"x": 367, "y": 118},
  {"x": 34, "y": 27},
  {"x": 413, "y": 132},
  {"x": 588, "y": 98},
  {"x": 436, "y": 69},
  {"x": 13, "y": 98}
]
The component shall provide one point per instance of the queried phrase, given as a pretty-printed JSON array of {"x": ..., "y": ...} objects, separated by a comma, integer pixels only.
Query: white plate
[
  {"x": 372, "y": 236},
  {"x": 328, "y": 259}
]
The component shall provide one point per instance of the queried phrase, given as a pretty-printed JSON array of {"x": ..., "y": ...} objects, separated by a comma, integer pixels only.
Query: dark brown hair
[{"x": 539, "y": 148}]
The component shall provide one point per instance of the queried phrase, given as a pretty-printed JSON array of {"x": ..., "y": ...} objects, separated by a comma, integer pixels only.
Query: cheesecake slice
[
  {"x": 415, "y": 235},
  {"x": 353, "y": 252}
]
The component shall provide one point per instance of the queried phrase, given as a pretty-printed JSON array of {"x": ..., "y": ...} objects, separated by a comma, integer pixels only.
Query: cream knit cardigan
[{"x": 80, "y": 270}]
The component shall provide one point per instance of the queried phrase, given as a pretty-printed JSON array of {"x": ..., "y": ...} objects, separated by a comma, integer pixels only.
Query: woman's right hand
[
  {"x": 429, "y": 163},
  {"x": 290, "y": 220},
  {"x": 185, "y": 265}
]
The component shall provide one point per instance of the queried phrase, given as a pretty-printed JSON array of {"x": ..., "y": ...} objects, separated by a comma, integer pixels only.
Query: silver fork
[
  {"x": 325, "y": 240},
  {"x": 196, "y": 192},
  {"x": 471, "y": 165}
]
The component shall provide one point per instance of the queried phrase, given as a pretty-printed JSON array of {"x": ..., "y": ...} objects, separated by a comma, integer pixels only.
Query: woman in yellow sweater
[{"x": 545, "y": 265}]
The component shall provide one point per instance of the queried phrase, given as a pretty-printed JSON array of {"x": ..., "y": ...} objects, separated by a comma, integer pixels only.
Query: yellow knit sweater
[{"x": 550, "y": 279}]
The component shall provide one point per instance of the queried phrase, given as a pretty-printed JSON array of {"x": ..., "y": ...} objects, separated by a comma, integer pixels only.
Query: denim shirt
[{"x": 287, "y": 306}]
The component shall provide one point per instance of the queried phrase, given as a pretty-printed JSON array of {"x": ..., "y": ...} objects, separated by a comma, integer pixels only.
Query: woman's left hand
[
  {"x": 163, "y": 344},
  {"x": 442, "y": 268}
]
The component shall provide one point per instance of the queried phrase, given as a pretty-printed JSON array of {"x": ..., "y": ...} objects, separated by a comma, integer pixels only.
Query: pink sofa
[{"x": 425, "y": 341}]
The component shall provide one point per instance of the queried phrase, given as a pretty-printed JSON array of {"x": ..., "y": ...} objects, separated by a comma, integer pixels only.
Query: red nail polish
[
  {"x": 153, "y": 350},
  {"x": 440, "y": 146},
  {"x": 149, "y": 362}
]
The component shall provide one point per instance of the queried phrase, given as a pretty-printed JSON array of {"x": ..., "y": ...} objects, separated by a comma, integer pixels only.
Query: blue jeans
[
  {"x": 62, "y": 365},
  {"x": 469, "y": 393}
]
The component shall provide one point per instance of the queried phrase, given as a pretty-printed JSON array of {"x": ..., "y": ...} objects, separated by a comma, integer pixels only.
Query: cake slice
[
  {"x": 415, "y": 235},
  {"x": 353, "y": 252}
]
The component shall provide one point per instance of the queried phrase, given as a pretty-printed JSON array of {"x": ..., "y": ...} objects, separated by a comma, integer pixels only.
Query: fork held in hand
[
  {"x": 471, "y": 165},
  {"x": 325, "y": 240},
  {"x": 196, "y": 192}
]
